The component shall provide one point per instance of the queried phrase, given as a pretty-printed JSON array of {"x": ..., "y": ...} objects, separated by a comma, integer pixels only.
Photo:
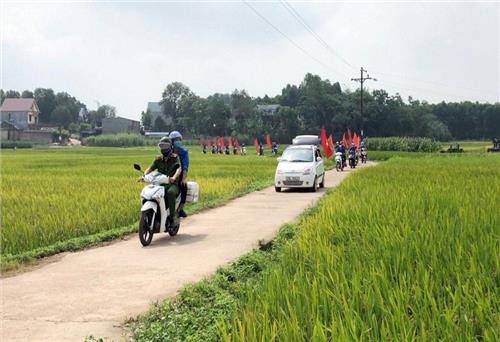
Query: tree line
[
  {"x": 62, "y": 109},
  {"x": 316, "y": 103}
]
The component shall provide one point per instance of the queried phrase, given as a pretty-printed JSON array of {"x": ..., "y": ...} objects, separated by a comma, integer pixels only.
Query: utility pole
[{"x": 361, "y": 80}]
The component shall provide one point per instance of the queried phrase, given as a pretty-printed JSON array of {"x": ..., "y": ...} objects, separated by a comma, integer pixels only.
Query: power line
[
  {"x": 362, "y": 80},
  {"x": 290, "y": 39},
  {"x": 301, "y": 20}
]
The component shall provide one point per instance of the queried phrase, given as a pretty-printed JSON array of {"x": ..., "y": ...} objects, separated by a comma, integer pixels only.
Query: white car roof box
[{"x": 306, "y": 140}]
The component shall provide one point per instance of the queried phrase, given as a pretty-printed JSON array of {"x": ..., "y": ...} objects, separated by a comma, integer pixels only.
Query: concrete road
[{"x": 93, "y": 291}]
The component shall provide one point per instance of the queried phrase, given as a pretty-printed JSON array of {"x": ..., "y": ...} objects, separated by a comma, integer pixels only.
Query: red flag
[
  {"x": 356, "y": 140},
  {"x": 208, "y": 142},
  {"x": 236, "y": 143},
  {"x": 268, "y": 140},
  {"x": 221, "y": 139},
  {"x": 330, "y": 142},
  {"x": 349, "y": 136},
  {"x": 256, "y": 143},
  {"x": 215, "y": 142},
  {"x": 344, "y": 141},
  {"x": 230, "y": 142},
  {"x": 324, "y": 143}
]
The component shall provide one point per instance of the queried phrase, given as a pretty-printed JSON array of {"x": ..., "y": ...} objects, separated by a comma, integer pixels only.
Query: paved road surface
[{"x": 95, "y": 290}]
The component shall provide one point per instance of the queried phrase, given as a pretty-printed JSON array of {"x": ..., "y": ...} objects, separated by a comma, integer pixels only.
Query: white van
[{"x": 300, "y": 165}]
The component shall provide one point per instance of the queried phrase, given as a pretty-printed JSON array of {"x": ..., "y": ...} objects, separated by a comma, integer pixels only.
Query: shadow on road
[{"x": 180, "y": 239}]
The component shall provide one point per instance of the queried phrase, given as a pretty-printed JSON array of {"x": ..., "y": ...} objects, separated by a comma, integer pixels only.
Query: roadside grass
[
  {"x": 196, "y": 312},
  {"x": 59, "y": 200},
  {"x": 423, "y": 263}
]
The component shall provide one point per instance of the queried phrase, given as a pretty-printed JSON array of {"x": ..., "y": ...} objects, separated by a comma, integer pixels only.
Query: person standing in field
[
  {"x": 183, "y": 153},
  {"x": 168, "y": 164}
]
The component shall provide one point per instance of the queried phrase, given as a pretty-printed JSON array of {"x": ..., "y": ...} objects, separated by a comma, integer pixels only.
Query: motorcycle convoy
[
  {"x": 156, "y": 217},
  {"x": 354, "y": 155}
]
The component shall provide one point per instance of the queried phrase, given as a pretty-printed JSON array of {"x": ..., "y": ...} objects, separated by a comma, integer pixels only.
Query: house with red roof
[{"x": 20, "y": 113}]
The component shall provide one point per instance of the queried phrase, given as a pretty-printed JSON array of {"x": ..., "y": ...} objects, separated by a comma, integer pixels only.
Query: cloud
[{"x": 124, "y": 54}]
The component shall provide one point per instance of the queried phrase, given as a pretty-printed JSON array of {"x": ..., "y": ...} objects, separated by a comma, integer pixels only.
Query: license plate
[{"x": 288, "y": 178}]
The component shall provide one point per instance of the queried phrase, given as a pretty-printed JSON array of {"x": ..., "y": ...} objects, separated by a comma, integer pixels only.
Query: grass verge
[{"x": 196, "y": 312}]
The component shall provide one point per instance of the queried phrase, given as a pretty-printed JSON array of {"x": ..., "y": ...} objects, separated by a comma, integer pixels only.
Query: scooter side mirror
[
  {"x": 137, "y": 167},
  {"x": 318, "y": 159}
]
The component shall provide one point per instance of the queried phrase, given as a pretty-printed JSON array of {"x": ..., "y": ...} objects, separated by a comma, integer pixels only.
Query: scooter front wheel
[{"x": 145, "y": 233}]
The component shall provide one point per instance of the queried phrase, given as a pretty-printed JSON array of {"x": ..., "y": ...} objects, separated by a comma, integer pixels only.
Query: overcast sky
[{"x": 125, "y": 53}]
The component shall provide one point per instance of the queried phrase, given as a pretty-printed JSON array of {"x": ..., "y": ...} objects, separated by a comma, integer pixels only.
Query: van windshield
[{"x": 297, "y": 155}]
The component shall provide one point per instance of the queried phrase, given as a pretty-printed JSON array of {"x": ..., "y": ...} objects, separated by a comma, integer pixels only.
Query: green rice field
[
  {"x": 406, "y": 250},
  {"x": 52, "y": 195}
]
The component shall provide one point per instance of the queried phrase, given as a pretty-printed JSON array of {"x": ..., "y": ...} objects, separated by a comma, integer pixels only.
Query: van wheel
[
  {"x": 315, "y": 185},
  {"x": 277, "y": 189},
  {"x": 322, "y": 184},
  {"x": 145, "y": 234}
]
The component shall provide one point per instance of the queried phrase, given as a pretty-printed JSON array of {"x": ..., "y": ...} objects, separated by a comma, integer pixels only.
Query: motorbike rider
[
  {"x": 352, "y": 151},
  {"x": 168, "y": 164},
  {"x": 340, "y": 148},
  {"x": 274, "y": 148},
  {"x": 183, "y": 154},
  {"x": 364, "y": 150}
]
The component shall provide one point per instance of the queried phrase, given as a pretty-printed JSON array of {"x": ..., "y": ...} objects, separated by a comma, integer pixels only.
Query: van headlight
[{"x": 307, "y": 172}]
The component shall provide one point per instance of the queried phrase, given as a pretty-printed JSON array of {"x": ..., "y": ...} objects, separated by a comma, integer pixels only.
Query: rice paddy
[
  {"x": 53, "y": 195},
  {"x": 408, "y": 250}
]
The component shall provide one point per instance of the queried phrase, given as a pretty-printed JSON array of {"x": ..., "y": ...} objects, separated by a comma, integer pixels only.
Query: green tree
[
  {"x": 103, "y": 111},
  {"x": 243, "y": 110},
  {"x": 46, "y": 101},
  {"x": 62, "y": 115},
  {"x": 27, "y": 94},
  {"x": 289, "y": 124},
  {"x": 160, "y": 125},
  {"x": 171, "y": 98},
  {"x": 147, "y": 120},
  {"x": 219, "y": 114},
  {"x": 290, "y": 96},
  {"x": 12, "y": 94}
]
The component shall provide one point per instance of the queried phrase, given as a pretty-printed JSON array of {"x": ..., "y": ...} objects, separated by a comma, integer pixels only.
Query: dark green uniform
[{"x": 168, "y": 167}]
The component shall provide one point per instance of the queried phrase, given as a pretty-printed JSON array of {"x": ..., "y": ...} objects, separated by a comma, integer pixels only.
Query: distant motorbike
[
  {"x": 364, "y": 154},
  {"x": 339, "y": 165},
  {"x": 352, "y": 160}
]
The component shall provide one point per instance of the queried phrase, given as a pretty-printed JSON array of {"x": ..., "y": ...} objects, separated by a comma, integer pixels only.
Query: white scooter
[
  {"x": 338, "y": 161},
  {"x": 154, "y": 215}
]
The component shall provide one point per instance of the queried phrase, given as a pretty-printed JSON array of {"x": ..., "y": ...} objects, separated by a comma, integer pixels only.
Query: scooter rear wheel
[
  {"x": 145, "y": 234},
  {"x": 174, "y": 230}
]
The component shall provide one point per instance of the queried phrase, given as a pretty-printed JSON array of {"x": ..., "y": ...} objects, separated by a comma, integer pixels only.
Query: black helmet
[{"x": 165, "y": 146}]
